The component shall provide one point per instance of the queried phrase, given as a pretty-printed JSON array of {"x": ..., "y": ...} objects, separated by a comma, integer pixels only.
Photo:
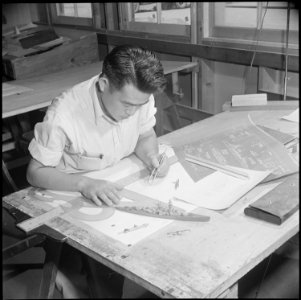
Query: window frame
[
  {"x": 129, "y": 25},
  {"x": 66, "y": 20},
  {"x": 227, "y": 35}
]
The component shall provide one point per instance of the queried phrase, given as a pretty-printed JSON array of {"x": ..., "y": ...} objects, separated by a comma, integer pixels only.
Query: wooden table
[
  {"x": 210, "y": 258},
  {"x": 47, "y": 87}
]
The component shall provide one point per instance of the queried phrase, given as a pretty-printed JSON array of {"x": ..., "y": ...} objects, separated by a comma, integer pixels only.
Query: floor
[{"x": 281, "y": 278}]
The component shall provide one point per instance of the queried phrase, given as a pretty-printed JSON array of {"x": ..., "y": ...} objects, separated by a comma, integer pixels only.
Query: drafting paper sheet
[
  {"x": 294, "y": 116},
  {"x": 126, "y": 227},
  {"x": 215, "y": 191},
  {"x": 245, "y": 146},
  {"x": 131, "y": 228},
  {"x": 219, "y": 191}
]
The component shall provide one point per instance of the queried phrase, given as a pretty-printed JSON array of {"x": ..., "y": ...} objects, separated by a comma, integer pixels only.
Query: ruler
[
  {"x": 72, "y": 208},
  {"x": 35, "y": 222}
]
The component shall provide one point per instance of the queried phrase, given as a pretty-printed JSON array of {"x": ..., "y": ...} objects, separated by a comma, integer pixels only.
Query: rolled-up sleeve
[
  {"x": 49, "y": 140},
  {"x": 147, "y": 116}
]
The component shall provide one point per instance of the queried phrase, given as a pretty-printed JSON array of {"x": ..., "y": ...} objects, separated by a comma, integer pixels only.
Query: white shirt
[{"x": 76, "y": 135}]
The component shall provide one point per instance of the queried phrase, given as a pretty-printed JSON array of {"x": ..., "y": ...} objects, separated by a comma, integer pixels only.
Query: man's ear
[{"x": 103, "y": 83}]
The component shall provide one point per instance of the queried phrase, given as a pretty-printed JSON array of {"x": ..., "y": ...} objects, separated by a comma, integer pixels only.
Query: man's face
[{"x": 121, "y": 104}]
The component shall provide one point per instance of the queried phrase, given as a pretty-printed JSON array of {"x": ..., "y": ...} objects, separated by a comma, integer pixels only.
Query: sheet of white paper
[
  {"x": 219, "y": 191},
  {"x": 294, "y": 116},
  {"x": 124, "y": 227},
  {"x": 126, "y": 167},
  {"x": 130, "y": 228},
  {"x": 164, "y": 189}
]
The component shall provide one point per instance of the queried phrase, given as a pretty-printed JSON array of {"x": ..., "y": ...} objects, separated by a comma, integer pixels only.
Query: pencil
[
  {"x": 212, "y": 165},
  {"x": 155, "y": 171}
]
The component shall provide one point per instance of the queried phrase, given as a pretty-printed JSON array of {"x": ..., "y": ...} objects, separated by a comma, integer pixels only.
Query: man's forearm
[
  {"x": 51, "y": 178},
  {"x": 98, "y": 190}
]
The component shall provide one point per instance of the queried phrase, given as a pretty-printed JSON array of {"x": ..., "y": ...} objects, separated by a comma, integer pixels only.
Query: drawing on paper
[
  {"x": 245, "y": 146},
  {"x": 177, "y": 183},
  {"x": 135, "y": 227}
]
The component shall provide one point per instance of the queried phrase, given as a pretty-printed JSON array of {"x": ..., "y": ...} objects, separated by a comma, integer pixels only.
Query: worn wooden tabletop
[
  {"x": 186, "y": 259},
  {"x": 46, "y": 87}
]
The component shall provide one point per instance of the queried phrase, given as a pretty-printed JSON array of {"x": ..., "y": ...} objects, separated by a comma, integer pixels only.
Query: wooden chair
[
  {"x": 17, "y": 133},
  {"x": 16, "y": 241},
  {"x": 14, "y": 145},
  {"x": 172, "y": 115},
  {"x": 8, "y": 179}
]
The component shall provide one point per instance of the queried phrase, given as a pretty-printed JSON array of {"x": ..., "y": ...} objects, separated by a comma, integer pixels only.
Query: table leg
[{"x": 53, "y": 253}]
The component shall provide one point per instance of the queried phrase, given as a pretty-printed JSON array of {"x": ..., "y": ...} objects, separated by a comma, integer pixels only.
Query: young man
[{"x": 95, "y": 124}]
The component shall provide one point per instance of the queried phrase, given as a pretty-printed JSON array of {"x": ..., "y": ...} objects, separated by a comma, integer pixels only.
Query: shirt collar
[{"x": 98, "y": 112}]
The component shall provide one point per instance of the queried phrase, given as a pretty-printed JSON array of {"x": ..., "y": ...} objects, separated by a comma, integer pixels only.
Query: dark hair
[{"x": 130, "y": 64}]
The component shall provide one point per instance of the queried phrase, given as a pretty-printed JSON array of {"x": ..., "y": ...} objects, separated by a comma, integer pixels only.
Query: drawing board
[{"x": 215, "y": 191}]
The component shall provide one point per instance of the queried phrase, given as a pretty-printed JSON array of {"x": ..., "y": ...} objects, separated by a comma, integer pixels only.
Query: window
[
  {"x": 71, "y": 13},
  {"x": 252, "y": 21},
  {"x": 80, "y": 10},
  {"x": 173, "y": 18},
  {"x": 162, "y": 13}
]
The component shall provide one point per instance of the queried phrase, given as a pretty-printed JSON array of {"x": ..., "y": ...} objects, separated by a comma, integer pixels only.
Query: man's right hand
[
  {"x": 101, "y": 191},
  {"x": 50, "y": 178}
]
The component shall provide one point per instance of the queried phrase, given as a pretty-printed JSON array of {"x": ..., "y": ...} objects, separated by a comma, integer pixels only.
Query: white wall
[
  {"x": 229, "y": 80},
  {"x": 224, "y": 80}
]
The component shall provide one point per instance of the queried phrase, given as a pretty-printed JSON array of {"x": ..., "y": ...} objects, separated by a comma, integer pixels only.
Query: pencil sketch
[{"x": 135, "y": 227}]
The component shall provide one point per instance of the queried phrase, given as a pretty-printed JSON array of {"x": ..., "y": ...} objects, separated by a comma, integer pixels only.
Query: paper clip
[{"x": 155, "y": 171}]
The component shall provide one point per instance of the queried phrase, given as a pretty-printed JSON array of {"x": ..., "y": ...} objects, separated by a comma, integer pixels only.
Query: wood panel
[
  {"x": 112, "y": 11},
  {"x": 207, "y": 89},
  {"x": 229, "y": 55}
]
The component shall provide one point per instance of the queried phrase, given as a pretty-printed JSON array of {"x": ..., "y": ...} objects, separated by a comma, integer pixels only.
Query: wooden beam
[
  {"x": 207, "y": 88},
  {"x": 111, "y": 16},
  {"x": 98, "y": 15},
  {"x": 227, "y": 55}
]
